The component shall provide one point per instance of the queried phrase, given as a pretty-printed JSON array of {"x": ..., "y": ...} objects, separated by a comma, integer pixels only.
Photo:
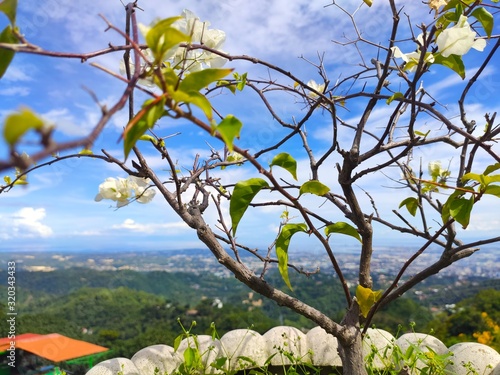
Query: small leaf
[
  {"x": 147, "y": 137},
  {"x": 6, "y": 56},
  {"x": 229, "y": 128},
  {"x": 285, "y": 161},
  {"x": 17, "y": 124},
  {"x": 145, "y": 119},
  {"x": 9, "y": 8},
  {"x": 196, "y": 98},
  {"x": 394, "y": 96},
  {"x": 177, "y": 342},
  {"x": 342, "y": 228},
  {"x": 196, "y": 81},
  {"x": 421, "y": 134},
  {"x": 485, "y": 18},
  {"x": 7, "y": 180},
  {"x": 189, "y": 356},
  {"x": 492, "y": 190},
  {"x": 366, "y": 299},
  {"x": 454, "y": 62},
  {"x": 243, "y": 193},
  {"x": 411, "y": 205},
  {"x": 314, "y": 187},
  {"x": 21, "y": 182},
  {"x": 242, "y": 81},
  {"x": 368, "y": 2},
  {"x": 282, "y": 244},
  {"x": 86, "y": 151},
  {"x": 491, "y": 168},
  {"x": 162, "y": 37},
  {"x": 460, "y": 210}
]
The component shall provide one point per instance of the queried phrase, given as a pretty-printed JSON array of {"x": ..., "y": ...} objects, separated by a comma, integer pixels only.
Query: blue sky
[{"x": 56, "y": 211}]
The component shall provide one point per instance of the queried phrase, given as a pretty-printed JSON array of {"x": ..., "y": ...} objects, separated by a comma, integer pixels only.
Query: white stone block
[
  {"x": 114, "y": 366},
  {"x": 239, "y": 344},
  {"x": 284, "y": 339},
  {"x": 161, "y": 357},
  {"x": 323, "y": 347},
  {"x": 422, "y": 342},
  {"x": 480, "y": 357},
  {"x": 208, "y": 348},
  {"x": 379, "y": 344}
]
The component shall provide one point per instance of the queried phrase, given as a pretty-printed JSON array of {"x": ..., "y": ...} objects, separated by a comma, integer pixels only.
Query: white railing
[{"x": 242, "y": 349}]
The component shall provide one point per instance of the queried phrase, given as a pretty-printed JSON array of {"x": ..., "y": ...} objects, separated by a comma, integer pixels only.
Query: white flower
[
  {"x": 115, "y": 189},
  {"x": 191, "y": 25},
  {"x": 411, "y": 59},
  {"x": 316, "y": 86},
  {"x": 122, "y": 190},
  {"x": 144, "y": 82},
  {"x": 459, "y": 39},
  {"x": 139, "y": 187}
]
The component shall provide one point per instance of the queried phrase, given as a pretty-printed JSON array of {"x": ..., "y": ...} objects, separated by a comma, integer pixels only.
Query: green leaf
[
  {"x": 242, "y": 80},
  {"x": 86, "y": 151},
  {"x": 366, "y": 299},
  {"x": 282, "y": 244},
  {"x": 177, "y": 341},
  {"x": 492, "y": 190},
  {"x": 149, "y": 138},
  {"x": 368, "y": 2},
  {"x": 411, "y": 205},
  {"x": 17, "y": 124},
  {"x": 342, "y": 228},
  {"x": 9, "y": 8},
  {"x": 229, "y": 128},
  {"x": 314, "y": 187},
  {"x": 196, "y": 98},
  {"x": 453, "y": 62},
  {"x": 285, "y": 161},
  {"x": 6, "y": 56},
  {"x": 485, "y": 18},
  {"x": 7, "y": 180},
  {"x": 243, "y": 193},
  {"x": 421, "y": 134},
  {"x": 189, "y": 356},
  {"x": 162, "y": 37},
  {"x": 394, "y": 96},
  {"x": 196, "y": 81},
  {"x": 460, "y": 210},
  {"x": 152, "y": 110},
  {"x": 491, "y": 168}
]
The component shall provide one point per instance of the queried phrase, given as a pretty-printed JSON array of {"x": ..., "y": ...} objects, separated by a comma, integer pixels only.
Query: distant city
[{"x": 387, "y": 261}]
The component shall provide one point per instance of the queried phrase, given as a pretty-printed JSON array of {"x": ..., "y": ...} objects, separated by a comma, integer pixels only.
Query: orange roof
[
  {"x": 57, "y": 348},
  {"x": 5, "y": 342}
]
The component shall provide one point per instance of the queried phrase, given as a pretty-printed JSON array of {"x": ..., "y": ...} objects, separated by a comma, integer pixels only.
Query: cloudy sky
[{"x": 57, "y": 211}]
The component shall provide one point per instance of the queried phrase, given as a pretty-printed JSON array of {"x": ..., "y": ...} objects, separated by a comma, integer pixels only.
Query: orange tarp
[
  {"x": 58, "y": 348},
  {"x": 5, "y": 342}
]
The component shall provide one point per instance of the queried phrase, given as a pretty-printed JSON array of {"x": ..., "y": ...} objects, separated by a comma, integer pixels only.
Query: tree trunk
[
  {"x": 353, "y": 362},
  {"x": 351, "y": 343}
]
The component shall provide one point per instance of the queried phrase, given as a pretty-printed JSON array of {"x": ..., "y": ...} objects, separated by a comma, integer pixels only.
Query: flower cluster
[
  {"x": 316, "y": 86},
  {"x": 456, "y": 40},
  {"x": 191, "y": 25},
  {"x": 195, "y": 59},
  {"x": 123, "y": 190}
]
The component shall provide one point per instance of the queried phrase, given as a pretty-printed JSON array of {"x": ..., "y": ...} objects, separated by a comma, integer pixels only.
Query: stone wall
[{"x": 282, "y": 343}]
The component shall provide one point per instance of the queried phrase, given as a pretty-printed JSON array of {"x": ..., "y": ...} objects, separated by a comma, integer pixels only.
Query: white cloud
[
  {"x": 69, "y": 123},
  {"x": 15, "y": 91},
  {"x": 25, "y": 223},
  {"x": 131, "y": 225},
  {"x": 17, "y": 73}
]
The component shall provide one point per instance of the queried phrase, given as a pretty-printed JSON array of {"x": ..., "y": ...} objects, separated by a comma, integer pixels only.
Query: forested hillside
[{"x": 127, "y": 310}]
